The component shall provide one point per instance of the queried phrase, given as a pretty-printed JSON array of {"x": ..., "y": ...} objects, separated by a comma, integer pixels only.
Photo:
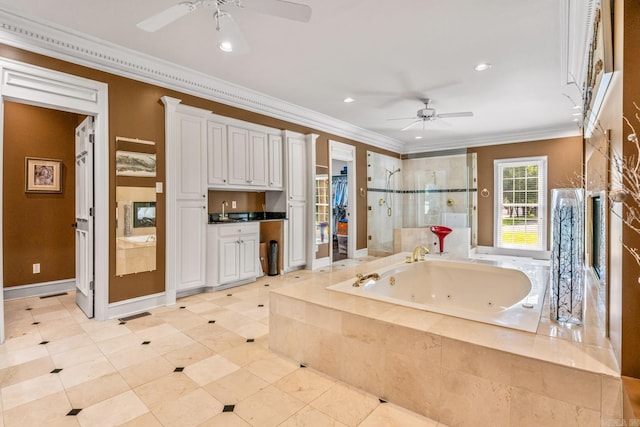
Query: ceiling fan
[
  {"x": 232, "y": 39},
  {"x": 428, "y": 114}
]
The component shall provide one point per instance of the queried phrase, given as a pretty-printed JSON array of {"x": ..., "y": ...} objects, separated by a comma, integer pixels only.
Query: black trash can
[{"x": 273, "y": 258}]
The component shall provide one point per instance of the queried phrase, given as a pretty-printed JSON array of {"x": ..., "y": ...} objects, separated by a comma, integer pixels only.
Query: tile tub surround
[{"x": 452, "y": 370}]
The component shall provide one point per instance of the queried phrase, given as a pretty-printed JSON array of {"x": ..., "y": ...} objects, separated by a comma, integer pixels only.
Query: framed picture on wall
[
  {"x": 130, "y": 163},
  {"x": 43, "y": 175}
]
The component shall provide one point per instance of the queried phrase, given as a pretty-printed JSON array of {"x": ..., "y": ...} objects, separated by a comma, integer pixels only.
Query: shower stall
[{"x": 416, "y": 193}]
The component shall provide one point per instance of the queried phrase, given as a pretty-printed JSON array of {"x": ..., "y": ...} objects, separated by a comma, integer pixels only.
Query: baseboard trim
[
  {"x": 321, "y": 263},
  {"x": 361, "y": 253},
  {"x": 39, "y": 289},
  {"x": 133, "y": 306},
  {"x": 492, "y": 250}
]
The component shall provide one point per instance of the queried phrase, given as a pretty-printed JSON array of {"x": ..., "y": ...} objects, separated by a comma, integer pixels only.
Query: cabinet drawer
[{"x": 236, "y": 229}]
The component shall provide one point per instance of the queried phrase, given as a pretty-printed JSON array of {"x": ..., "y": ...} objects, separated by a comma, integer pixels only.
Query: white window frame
[{"x": 498, "y": 166}]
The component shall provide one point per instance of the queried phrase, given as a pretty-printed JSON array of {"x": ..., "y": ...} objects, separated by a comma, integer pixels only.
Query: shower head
[{"x": 395, "y": 171}]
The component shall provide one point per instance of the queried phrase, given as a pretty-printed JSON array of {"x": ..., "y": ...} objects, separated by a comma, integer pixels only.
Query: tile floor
[{"x": 203, "y": 362}]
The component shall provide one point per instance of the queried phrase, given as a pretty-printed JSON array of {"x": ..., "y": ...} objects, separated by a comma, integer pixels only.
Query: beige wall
[
  {"x": 564, "y": 167},
  {"x": 37, "y": 227}
]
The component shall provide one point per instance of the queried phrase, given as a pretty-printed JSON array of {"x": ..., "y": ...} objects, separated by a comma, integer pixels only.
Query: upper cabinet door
[
  {"x": 216, "y": 154},
  {"x": 191, "y": 158},
  {"x": 297, "y": 168},
  {"x": 258, "y": 150},
  {"x": 276, "y": 171},
  {"x": 238, "y": 152}
]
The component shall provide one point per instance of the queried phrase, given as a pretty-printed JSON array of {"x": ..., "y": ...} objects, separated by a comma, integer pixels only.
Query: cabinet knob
[
  {"x": 204, "y": 196},
  {"x": 224, "y": 180}
]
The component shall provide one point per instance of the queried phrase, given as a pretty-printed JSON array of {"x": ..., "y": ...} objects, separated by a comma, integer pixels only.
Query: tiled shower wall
[{"x": 439, "y": 190}]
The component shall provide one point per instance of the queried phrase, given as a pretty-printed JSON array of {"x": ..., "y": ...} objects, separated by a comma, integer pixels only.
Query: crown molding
[
  {"x": 507, "y": 138},
  {"x": 78, "y": 48}
]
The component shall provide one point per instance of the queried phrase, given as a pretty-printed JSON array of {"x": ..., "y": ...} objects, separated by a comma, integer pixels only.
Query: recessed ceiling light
[
  {"x": 483, "y": 66},
  {"x": 577, "y": 107},
  {"x": 418, "y": 137},
  {"x": 226, "y": 46},
  {"x": 576, "y": 114},
  {"x": 348, "y": 100},
  {"x": 576, "y": 120}
]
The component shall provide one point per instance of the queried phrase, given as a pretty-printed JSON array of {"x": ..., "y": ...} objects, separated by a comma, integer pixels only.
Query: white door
[
  {"x": 229, "y": 265},
  {"x": 249, "y": 251},
  {"x": 238, "y": 152},
  {"x": 84, "y": 216},
  {"x": 297, "y": 233}
]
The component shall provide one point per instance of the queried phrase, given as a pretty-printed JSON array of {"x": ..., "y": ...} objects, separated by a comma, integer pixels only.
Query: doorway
[
  {"x": 31, "y": 85},
  {"x": 343, "y": 200},
  {"x": 339, "y": 206}
]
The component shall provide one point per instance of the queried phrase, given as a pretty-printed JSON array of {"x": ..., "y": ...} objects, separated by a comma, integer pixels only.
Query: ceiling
[{"x": 385, "y": 55}]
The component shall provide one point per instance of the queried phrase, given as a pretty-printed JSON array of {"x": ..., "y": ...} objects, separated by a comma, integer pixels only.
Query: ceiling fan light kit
[{"x": 428, "y": 114}]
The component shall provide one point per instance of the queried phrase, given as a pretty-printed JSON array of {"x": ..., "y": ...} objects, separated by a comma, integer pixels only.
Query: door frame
[
  {"x": 29, "y": 84},
  {"x": 346, "y": 153}
]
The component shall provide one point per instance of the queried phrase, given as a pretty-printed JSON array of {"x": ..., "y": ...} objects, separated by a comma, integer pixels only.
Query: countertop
[{"x": 235, "y": 217}]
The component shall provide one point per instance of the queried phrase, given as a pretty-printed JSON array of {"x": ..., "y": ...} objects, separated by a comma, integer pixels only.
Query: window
[{"x": 520, "y": 203}]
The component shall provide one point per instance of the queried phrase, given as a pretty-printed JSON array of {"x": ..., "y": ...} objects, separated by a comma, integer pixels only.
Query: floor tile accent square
[
  {"x": 44, "y": 342},
  {"x": 228, "y": 408},
  {"x": 250, "y": 340},
  {"x": 179, "y": 369},
  {"x": 74, "y": 412},
  {"x": 35, "y": 323},
  {"x": 55, "y": 371},
  {"x": 212, "y": 321},
  {"x": 146, "y": 342}
]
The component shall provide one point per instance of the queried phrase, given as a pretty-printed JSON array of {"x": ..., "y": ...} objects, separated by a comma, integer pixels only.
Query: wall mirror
[{"x": 135, "y": 229}]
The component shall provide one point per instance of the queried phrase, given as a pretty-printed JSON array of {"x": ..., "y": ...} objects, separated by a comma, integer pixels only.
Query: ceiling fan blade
[
  {"x": 281, "y": 9},
  {"x": 411, "y": 125},
  {"x": 404, "y": 118},
  {"x": 230, "y": 35},
  {"x": 460, "y": 114},
  {"x": 166, "y": 17}
]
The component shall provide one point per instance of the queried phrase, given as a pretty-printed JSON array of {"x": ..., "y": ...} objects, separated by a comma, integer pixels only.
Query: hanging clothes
[{"x": 339, "y": 200}]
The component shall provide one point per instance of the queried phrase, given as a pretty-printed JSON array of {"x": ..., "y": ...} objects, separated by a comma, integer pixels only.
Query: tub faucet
[
  {"x": 418, "y": 253},
  {"x": 361, "y": 278}
]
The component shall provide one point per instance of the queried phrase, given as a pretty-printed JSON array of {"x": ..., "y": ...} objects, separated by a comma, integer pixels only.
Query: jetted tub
[{"x": 503, "y": 294}]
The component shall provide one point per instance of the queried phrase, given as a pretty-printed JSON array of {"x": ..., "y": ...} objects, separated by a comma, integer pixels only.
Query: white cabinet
[
  {"x": 247, "y": 151},
  {"x": 216, "y": 154},
  {"x": 297, "y": 236},
  {"x": 296, "y": 168},
  {"x": 238, "y": 151},
  {"x": 191, "y": 245},
  {"x": 276, "y": 171},
  {"x": 233, "y": 253},
  {"x": 296, "y": 200},
  {"x": 186, "y": 197},
  {"x": 190, "y": 157}
]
